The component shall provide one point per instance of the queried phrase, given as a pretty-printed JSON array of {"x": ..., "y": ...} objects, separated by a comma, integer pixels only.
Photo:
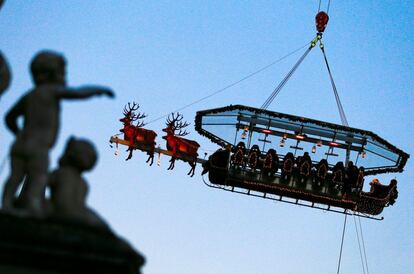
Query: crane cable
[
  {"x": 338, "y": 100},
  {"x": 363, "y": 244},
  {"x": 232, "y": 84},
  {"x": 342, "y": 244},
  {"x": 359, "y": 244},
  {"x": 345, "y": 123},
  {"x": 327, "y": 10},
  {"x": 362, "y": 239},
  {"x": 276, "y": 91},
  {"x": 279, "y": 87}
]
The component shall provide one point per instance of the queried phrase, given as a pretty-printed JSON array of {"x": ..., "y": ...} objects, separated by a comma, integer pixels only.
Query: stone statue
[
  {"x": 68, "y": 189},
  {"x": 5, "y": 75},
  {"x": 72, "y": 237},
  {"x": 40, "y": 110}
]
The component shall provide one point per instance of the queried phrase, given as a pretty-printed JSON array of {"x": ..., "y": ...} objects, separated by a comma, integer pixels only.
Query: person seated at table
[
  {"x": 220, "y": 159},
  {"x": 351, "y": 177},
  {"x": 270, "y": 163},
  {"x": 380, "y": 191},
  {"x": 304, "y": 167},
  {"x": 360, "y": 179},
  {"x": 253, "y": 160},
  {"x": 321, "y": 172},
  {"x": 338, "y": 174},
  {"x": 238, "y": 154},
  {"x": 375, "y": 187},
  {"x": 287, "y": 166}
]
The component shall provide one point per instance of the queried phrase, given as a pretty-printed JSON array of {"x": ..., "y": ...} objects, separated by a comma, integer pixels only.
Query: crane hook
[{"x": 321, "y": 20}]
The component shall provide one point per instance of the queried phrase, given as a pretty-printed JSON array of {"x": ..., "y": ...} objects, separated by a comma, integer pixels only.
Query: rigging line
[
  {"x": 276, "y": 91},
  {"x": 319, "y": 7},
  {"x": 359, "y": 245},
  {"x": 363, "y": 244},
  {"x": 329, "y": 5},
  {"x": 342, "y": 244},
  {"x": 233, "y": 84},
  {"x": 338, "y": 100},
  {"x": 284, "y": 81}
]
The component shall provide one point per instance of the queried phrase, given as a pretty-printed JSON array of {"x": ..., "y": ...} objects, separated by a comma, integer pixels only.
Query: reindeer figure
[
  {"x": 136, "y": 135},
  {"x": 181, "y": 148}
]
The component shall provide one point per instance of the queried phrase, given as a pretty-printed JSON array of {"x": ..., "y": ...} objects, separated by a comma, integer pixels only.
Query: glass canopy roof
[{"x": 287, "y": 133}]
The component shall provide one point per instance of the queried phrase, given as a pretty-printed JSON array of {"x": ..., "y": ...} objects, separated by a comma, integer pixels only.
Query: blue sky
[{"x": 166, "y": 54}]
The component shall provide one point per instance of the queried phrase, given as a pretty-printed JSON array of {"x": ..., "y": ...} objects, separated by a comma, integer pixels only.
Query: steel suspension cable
[
  {"x": 276, "y": 91},
  {"x": 342, "y": 245},
  {"x": 363, "y": 244},
  {"x": 232, "y": 84},
  {"x": 338, "y": 100},
  {"x": 359, "y": 245}
]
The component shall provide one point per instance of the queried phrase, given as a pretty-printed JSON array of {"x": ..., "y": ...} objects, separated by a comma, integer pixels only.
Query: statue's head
[
  {"x": 48, "y": 67},
  {"x": 79, "y": 153}
]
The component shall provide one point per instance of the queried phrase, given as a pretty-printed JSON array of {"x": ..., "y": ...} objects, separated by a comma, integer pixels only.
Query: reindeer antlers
[
  {"x": 175, "y": 122},
  {"x": 130, "y": 111},
  {"x": 174, "y": 118}
]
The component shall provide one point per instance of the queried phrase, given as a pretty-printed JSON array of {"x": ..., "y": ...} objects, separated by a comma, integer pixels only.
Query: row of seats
[{"x": 346, "y": 178}]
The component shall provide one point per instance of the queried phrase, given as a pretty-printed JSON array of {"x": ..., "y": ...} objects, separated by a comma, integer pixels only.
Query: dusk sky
[{"x": 167, "y": 54}]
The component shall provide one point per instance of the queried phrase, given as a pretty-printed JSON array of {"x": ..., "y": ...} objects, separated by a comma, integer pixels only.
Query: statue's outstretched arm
[
  {"x": 5, "y": 75},
  {"x": 84, "y": 92},
  {"x": 13, "y": 115}
]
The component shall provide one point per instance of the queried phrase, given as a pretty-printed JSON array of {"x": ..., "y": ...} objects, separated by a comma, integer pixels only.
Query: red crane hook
[{"x": 321, "y": 20}]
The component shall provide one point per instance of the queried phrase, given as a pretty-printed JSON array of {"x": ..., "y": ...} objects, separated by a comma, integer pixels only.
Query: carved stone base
[{"x": 30, "y": 245}]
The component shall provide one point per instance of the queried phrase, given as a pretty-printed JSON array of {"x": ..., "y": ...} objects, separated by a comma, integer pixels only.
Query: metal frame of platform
[{"x": 283, "y": 199}]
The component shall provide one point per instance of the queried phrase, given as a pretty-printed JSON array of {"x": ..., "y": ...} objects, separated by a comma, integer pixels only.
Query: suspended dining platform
[{"x": 299, "y": 158}]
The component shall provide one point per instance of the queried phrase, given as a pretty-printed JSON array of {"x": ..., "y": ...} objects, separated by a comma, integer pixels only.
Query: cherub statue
[
  {"x": 68, "y": 189},
  {"x": 5, "y": 74},
  {"x": 40, "y": 110}
]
